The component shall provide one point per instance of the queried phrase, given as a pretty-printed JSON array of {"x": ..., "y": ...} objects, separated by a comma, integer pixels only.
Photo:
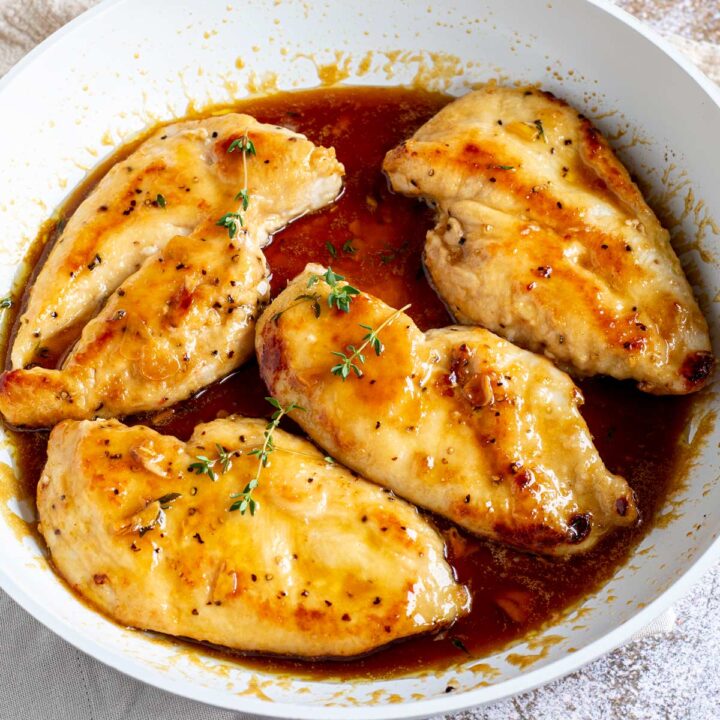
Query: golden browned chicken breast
[
  {"x": 542, "y": 237},
  {"x": 185, "y": 319},
  {"x": 182, "y": 175},
  {"x": 455, "y": 420},
  {"x": 183, "y": 291},
  {"x": 329, "y": 565}
]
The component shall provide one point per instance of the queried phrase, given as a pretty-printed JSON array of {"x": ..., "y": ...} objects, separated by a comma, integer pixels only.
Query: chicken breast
[
  {"x": 185, "y": 315},
  {"x": 455, "y": 420},
  {"x": 182, "y": 321},
  {"x": 176, "y": 179},
  {"x": 154, "y": 546},
  {"x": 543, "y": 238}
]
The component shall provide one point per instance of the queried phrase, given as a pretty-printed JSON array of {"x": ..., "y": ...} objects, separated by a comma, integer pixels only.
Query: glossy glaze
[
  {"x": 457, "y": 420},
  {"x": 152, "y": 543},
  {"x": 636, "y": 434},
  {"x": 179, "y": 293},
  {"x": 542, "y": 237}
]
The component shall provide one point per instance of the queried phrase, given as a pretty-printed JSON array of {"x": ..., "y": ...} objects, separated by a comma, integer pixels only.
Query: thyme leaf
[
  {"x": 243, "y": 195},
  {"x": 373, "y": 339},
  {"x": 390, "y": 254},
  {"x": 244, "y": 144},
  {"x": 206, "y": 465},
  {"x": 203, "y": 466},
  {"x": 233, "y": 222},
  {"x": 244, "y": 500},
  {"x": 224, "y": 457},
  {"x": 340, "y": 296},
  {"x": 347, "y": 363}
]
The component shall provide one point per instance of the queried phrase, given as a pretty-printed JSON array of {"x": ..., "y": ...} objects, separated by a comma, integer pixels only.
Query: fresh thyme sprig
[
  {"x": 390, "y": 254},
  {"x": 243, "y": 195},
  {"x": 244, "y": 144},
  {"x": 205, "y": 466},
  {"x": 244, "y": 500},
  {"x": 340, "y": 295},
  {"x": 278, "y": 448},
  {"x": 234, "y": 221},
  {"x": 347, "y": 363},
  {"x": 224, "y": 457}
]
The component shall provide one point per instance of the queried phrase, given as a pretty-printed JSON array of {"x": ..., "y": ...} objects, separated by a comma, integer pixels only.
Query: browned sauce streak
[{"x": 636, "y": 433}]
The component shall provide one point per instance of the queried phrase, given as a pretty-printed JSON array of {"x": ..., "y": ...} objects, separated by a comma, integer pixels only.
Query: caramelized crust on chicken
[
  {"x": 455, "y": 420},
  {"x": 542, "y": 237},
  {"x": 185, "y": 319},
  {"x": 182, "y": 175},
  {"x": 329, "y": 566},
  {"x": 186, "y": 314}
]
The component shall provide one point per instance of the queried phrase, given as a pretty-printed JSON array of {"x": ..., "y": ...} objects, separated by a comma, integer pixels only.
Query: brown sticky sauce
[
  {"x": 11, "y": 489},
  {"x": 376, "y": 240}
]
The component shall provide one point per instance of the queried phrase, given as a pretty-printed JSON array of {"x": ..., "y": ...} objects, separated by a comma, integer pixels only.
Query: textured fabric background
[{"x": 671, "y": 672}]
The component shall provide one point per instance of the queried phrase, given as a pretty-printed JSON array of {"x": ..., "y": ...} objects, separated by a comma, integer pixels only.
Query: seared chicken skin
[
  {"x": 455, "y": 420},
  {"x": 329, "y": 566},
  {"x": 543, "y": 238},
  {"x": 189, "y": 292}
]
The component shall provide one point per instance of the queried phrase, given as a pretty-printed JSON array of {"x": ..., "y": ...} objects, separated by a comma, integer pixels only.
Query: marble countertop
[
  {"x": 671, "y": 676},
  {"x": 692, "y": 19}
]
